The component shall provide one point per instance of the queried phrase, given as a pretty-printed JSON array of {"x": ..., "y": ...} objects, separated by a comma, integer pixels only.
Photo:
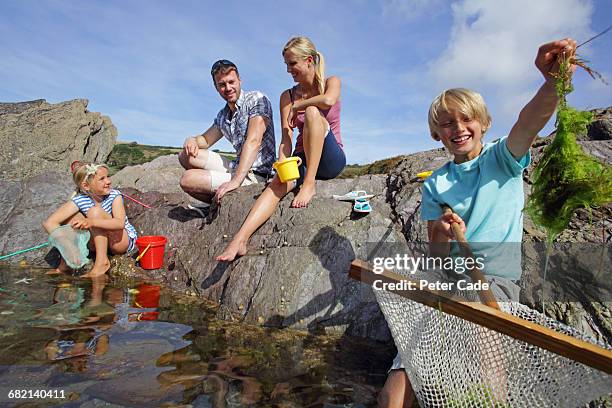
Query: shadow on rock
[
  {"x": 335, "y": 254},
  {"x": 183, "y": 214},
  {"x": 215, "y": 276}
]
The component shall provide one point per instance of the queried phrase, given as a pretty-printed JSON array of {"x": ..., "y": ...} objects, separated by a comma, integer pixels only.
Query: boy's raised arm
[{"x": 540, "y": 108}]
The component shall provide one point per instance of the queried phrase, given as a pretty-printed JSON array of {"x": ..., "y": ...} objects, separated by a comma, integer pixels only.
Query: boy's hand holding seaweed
[{"x": 547, "y": 60}]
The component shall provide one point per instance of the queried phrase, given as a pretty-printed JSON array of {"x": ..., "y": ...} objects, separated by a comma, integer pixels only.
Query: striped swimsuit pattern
[{"x": 84, "y": 203}]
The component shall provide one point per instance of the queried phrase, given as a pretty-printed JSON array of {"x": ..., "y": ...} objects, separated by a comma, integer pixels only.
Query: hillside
[
  {"x": 378, "y": 167},
  {"x": 132, "y": 153}
]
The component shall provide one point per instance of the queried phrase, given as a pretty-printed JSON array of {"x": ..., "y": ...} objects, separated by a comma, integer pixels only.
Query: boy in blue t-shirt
[{"x": 483, "y": 185}]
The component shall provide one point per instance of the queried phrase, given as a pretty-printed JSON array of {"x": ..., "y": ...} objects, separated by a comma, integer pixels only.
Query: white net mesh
[
  {"x": 455, "y": 363},
  {"x": 72, "y": 245}
]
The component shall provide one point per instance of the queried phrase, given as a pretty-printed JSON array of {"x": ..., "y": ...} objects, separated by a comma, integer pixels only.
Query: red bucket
[
  {"x": 154, "y": 257},
  {"x": 147, "y": 297}
]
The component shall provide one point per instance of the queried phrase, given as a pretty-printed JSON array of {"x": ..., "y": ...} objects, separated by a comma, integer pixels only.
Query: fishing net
[
  {"x": 455, "y": 363},
  {"x": 72, "y": 245}
]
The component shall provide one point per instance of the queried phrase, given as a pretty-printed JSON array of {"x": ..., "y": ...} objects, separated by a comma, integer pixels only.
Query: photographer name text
[{"x": 421, "y": 284}]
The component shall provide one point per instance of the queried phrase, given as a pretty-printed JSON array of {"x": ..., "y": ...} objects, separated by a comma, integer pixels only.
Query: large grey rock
[
  {"x": 37, "y": 137},
  {"x": 161, "y": 174},
  {"x": 404, "y": 191}
]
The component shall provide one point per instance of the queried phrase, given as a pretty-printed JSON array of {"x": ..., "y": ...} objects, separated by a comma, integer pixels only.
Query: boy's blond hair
[{"x": 466, "y": 101}]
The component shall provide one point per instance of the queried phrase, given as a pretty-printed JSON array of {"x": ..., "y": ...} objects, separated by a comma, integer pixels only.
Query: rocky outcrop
[{"x": 38, "y": 137}]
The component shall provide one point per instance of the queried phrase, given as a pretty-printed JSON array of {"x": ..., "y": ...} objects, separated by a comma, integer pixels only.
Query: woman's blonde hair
[
  {"x": 303, "y": 47},
  {"x": 83, "y": 172},
  {"x": 466, "y": 101}
]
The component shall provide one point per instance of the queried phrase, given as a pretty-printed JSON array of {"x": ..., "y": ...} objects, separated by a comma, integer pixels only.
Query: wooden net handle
[{"x": 520, "y": 329}]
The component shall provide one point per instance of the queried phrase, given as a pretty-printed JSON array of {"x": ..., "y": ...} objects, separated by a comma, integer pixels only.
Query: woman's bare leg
[
  {"x": 262, "y": 210},
  {"x": 315, "y": 128},
  {"x": 397, "y": 392}
]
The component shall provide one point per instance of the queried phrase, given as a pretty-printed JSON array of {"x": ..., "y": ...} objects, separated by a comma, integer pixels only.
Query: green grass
[
  {"x": 132, "y": 153},
  {"x": 378, "y": 167}
]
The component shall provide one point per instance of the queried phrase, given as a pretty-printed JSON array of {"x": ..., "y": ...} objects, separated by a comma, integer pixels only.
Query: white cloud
[
  {"x": 492, "y": 48},
  {"x": 591, "y": 93},
  {"x": 493, "y": 44}
]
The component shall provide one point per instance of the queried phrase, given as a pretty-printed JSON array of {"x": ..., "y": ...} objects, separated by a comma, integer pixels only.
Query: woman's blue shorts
[{"x": 332, "y": 160}]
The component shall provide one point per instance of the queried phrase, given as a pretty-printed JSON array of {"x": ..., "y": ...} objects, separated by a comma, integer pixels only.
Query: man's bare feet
[
  {"x": 235, "y": 249},
  {"x": 307, "y": 192},
  {"x": 99, "y": 269}
]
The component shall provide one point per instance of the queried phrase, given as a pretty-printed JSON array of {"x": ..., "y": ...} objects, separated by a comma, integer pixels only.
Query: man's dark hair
[{"x": 223, "y": 66}]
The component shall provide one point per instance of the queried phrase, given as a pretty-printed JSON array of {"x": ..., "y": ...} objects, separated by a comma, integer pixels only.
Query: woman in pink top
[{"x": 313, "y": 106}]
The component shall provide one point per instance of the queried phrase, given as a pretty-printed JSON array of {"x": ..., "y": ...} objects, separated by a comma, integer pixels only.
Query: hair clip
[{"x": 91, "y": 169}]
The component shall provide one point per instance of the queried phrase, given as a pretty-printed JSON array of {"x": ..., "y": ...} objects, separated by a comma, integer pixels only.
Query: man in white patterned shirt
[{"x": 246, "y": 121}]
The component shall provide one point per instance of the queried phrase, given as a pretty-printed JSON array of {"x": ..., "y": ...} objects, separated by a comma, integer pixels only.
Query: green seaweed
[
  {"x": 477, "y": 396},
  {"x": 567, "y": 178}
]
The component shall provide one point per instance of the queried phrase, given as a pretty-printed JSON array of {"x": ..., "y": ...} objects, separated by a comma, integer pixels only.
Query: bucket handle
[
  {"x": 143, "y": 253},
  {"x": 277, "y": 163}
]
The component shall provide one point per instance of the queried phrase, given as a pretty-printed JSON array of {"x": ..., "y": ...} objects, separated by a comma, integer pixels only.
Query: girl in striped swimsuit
[{"x": 99, "y": 208}]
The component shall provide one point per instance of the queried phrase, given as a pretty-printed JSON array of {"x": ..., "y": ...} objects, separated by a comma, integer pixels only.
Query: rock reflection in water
[{"x": 139, "y": 346}]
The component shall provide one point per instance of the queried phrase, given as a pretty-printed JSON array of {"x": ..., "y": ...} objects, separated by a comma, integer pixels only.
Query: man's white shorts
[{"x": 221, "y": 171}]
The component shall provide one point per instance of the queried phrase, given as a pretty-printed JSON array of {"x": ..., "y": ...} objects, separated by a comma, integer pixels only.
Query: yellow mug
[{"x": 287, "y": 169}]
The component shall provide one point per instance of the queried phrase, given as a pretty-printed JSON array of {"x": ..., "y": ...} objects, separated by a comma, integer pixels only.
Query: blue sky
[{"x": 146, "y": 63}]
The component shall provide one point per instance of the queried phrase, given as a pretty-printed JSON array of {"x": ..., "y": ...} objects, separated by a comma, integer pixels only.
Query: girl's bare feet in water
[
  {"x": 61, "y": 268},
  {"x": 235, "y": 249},
  {"x": 307, "y": 192},
  {"x": 99, "y": 269}
]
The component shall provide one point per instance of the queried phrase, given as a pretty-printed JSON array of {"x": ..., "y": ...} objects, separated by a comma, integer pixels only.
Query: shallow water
[{"x": 94, "y": 344}]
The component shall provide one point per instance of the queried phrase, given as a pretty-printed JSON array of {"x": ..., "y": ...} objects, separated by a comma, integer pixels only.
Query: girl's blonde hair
[
  {"x": 83, "y": 172},
  {"x": 303, "y": 47},
  {"x": 466, "y": 101}
]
